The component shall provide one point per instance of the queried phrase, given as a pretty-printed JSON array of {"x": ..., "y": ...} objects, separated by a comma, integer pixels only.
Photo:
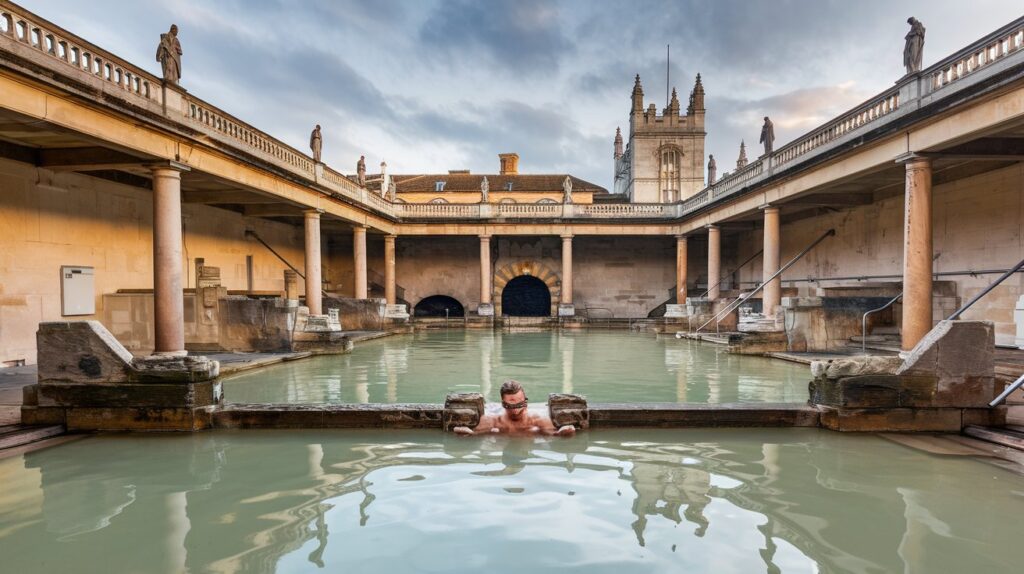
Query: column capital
[
  {"x": 565, "y": 236},
  {"x": 484, "y": 237},
  {"x": 911, "y": 159},
  {"x": 766, "y": 207},
  {"x": 711, "y": 226},
  {"x": 356, "y": 228},
  {"x": 681, "y": 237},
  {"x": 390, "y": 237},
  {"x": 171, "y": 165},
  {"x": 313, "y": 213}
]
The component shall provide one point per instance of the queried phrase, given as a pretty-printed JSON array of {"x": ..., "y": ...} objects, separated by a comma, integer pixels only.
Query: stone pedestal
[
  {"x": 398, "y": 312},
  {"x": 760, "y": 323},
  {"x": 1018, "y": 318},
  {"x": 89, "y": 381},
  {"x": 485, "y": 310},
  {"x": 674, "y": 311},
  {"x": 319, "y": 333},
  {"x": 569, "y": 409},
  {"x": 698, "y": 306},
  {"x": 462, "y": 410},
  {"x": 944, "y": 384},
  {"x": 806, "y": 320},
  {"x": 566, "y": 310}
]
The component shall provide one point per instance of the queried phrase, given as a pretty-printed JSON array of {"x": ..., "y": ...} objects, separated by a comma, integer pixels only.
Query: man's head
[{"x": 513, "y": 398}]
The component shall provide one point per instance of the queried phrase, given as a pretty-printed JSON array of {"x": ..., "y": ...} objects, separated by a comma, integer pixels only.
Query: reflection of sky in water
[
  {"x": 606, "y": 501},
  {"x": 604, "y": 366}
]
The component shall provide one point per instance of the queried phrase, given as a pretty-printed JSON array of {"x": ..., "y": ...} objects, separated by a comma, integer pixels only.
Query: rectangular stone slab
[{"x": 740, "y": 415}]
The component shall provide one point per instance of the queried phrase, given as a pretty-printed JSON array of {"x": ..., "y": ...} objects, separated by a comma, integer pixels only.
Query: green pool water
[
  {"x": 604, "y": 366},
  {"x": 795, "y": 500}
]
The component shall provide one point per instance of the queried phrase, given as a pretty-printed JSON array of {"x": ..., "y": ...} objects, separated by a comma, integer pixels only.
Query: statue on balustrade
[
  {"x": 361, "y": 170},
  {"x": 712, "y": 169},
  {"x": 768, "y": 135},
  {"x": 567, "y": 190},
  {"x": 913, "y": 50},
  {"x": 392, "y": 192},
  {"x": 316, "y": 143},
  {"x": 485, "y": 188},
  {"x": 168, "y": 53}
]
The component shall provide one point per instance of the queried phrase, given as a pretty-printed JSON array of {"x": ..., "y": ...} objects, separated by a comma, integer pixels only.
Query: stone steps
[
  {"x": 18, "y": 435},
  {"x": 1007, "y": 436}
]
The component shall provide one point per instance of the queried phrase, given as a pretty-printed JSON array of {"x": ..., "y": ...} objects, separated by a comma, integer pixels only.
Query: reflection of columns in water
[
  {"x": 486, "y": 363},
  {"x": 362, "y": 386},
  {"x": 681, "y": 385},
  {"x": 316, "y": 459},
  {"x": 770, "y": 462},
  {"x": 392, "y": 382},
  {"x": 178, "y": 526},
  {"x": 567, "y": 345}
]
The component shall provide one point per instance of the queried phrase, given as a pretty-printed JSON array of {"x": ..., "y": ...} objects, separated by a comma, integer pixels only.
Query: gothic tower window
[{"x": 669, "y": 183}]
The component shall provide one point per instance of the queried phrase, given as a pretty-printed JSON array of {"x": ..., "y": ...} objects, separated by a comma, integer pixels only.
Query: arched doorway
[
  {"x": 526, "y": 296},
  {"x": 437, "y": 305}
]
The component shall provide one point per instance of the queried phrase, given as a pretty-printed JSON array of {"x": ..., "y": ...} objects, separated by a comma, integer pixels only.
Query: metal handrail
[
  {"x": 1009, "y": 390},
  {"x": 986, "y": 290},
  {"x": 732, "y": 306},
  {"x": 864, "y": 321},
  {"x": 722, "y": 278}
]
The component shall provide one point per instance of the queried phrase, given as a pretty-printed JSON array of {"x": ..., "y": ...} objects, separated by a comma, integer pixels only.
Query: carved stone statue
[
  {"x": 392, "y": 191},
  {"x": 168, "y": 53},
  {"x": 316, "y": 143},
  {"x": 567, "y": 190},
  {"x": 768, "y": 135},
  {"x": 485, "y": 188},
  {"x": 361, "y": 170},
  {"x": 913, "y": 50},
  {"x": 712, "y": 169}
]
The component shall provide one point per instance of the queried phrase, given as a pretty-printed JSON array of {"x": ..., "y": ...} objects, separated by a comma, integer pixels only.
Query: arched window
[
  {"x": 671, "y": 160},
  {"x": 546, "y": 201},
  {"x": 507, "y": 200},
  {"x": 439, "y": 200}
]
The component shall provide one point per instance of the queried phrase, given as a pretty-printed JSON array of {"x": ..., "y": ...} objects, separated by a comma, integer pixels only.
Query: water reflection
[
  {"x": 605, "y": 366},
  {"x": 269, "y": 501}
]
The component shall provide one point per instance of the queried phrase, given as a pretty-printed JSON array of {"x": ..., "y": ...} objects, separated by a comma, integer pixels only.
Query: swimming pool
[
  {"x": 605, "y": 366},
  {"x": 795, "y": 500}
]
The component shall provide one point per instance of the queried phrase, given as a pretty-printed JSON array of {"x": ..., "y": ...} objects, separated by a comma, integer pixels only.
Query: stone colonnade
[{"x": 168, "y": 286}]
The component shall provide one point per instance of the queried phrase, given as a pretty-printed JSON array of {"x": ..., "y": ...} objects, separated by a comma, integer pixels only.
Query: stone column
[
  {"x": 389, "y": 269},
  {"x": 771, "y": 295},
  {"x": 486, "y": 307},
  {"x": 359, "y": 260},
  {"x": 314, "y": 284},
  {"x": 714, "y": 262},
  {"x": 566, "y": 270},
  {"x": 917, "y": 252},
  {"x": 680, "y": 269},
  {"x": 168, "y": 292}
]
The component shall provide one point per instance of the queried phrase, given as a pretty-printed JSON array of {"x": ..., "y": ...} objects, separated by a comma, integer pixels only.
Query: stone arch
[
  {"x": 435, "y": 306},
  {"x": 533, "y": 268}
]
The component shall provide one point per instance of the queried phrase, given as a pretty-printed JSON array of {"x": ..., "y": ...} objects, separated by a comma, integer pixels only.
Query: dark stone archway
[
  {"x": 526, "y": 296},
  {"x": 435, "y": 306}
]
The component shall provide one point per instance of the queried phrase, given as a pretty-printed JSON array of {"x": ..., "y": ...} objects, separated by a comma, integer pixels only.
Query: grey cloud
[{"x": 523, "y": 36}]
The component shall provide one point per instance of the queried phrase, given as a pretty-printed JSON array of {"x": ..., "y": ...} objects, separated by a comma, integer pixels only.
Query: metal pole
[
  {"x": 1002, "y": 396},
  {"x": 986, "y": 290},
  {"x": 743, "y": 300}
]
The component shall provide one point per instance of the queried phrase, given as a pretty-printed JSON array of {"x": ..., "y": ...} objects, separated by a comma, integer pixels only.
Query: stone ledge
[
  {"x": 401, "y": 416},
  {"x": 138, "y": 418},
  {"x": 892, "y": 420},
  {"x": 676, "y": 415}
]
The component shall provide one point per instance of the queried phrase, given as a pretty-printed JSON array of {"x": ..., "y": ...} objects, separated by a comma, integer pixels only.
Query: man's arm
[
  {"x": 544, "y": 425},
  {"x": 487, "y": 424}
]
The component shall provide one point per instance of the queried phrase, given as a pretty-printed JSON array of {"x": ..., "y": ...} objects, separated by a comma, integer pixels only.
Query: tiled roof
[{"x": 464, "y": 182}]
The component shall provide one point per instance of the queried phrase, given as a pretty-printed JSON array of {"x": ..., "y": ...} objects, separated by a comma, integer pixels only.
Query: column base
[
  {"x": 566, "y": 310},
  {"x": 398, "y": 311},
  {"x": 674, "y": 311},
  {"x": 485, "y": 310}
]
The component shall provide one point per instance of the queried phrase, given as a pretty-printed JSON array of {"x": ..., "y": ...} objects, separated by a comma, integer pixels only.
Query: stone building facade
[{"x": 663, "y": 160}]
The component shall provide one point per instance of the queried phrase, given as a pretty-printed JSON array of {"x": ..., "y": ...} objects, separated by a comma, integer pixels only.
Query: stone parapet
[
  {"x": 568, "y": 409},
  {"x": 462, "y": 410}
]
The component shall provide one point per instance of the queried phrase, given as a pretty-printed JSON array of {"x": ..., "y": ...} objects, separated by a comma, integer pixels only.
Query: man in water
[{"x": 515, "y": 418}]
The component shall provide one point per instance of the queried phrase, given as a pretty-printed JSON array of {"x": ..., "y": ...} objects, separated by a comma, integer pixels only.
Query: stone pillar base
[
  {"x": 485, "y": 310},
  {"x": 89, "y": 381},
  {"x": 566, "y": 310},
  {"x": 759, "y": 323},
  {"x": 398, "y": 312},
  {"x": 674, "y": 311}
]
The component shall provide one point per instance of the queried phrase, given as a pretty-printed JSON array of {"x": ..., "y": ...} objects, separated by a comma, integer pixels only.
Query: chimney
[{"x": 509, "y": 163}]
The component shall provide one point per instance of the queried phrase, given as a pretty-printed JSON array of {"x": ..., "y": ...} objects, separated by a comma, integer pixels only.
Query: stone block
[
  {"x": 801, "y": 302},
  {"x": 30, "y": 395},
  {"x": 119, "y": 395},
  {"x": 675, "y": 311},
  {"x": 566, "y": 310},
  {"x": 857, "y": 366},
  {"x": 462, "y": 409},
  {"x": 31, "y": 415},
  {"x": 954, "y": 350},
  {"x": 139, "y": 418},
  {"x": 568, "y": 409},
  {"x": 891, "y": 420},
  {"x": 485, "y": 310},
  {"x": 986, "y": 417},
  {"x": 968, "y": 392},
  {"x": 160, "y": 369},
  {"x": 874, "y": 391},
  {"x": 80, "y": 351}
]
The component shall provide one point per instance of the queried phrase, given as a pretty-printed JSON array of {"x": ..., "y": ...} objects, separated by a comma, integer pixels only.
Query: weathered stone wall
[
  {"x": 629, "y": 276},
  {"x": 978, "y": 223},
  {"x": 52, "y": 219}
]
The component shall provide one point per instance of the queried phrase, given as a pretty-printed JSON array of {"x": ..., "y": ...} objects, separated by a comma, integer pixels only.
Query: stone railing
[
  {"x": 70, "y": 54},
  {"x": 541, "y": 210},
  {"x": 438, "y": 210},
  {"x": 989, "y": 50},
  {"x": 240, "y": 134}
]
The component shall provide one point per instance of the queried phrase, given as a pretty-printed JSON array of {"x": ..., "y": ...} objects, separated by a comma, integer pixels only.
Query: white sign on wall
[{"x": 77, "y": 292}]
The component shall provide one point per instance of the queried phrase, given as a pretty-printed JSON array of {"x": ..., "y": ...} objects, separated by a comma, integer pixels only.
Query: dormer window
[
  {"x": 438, "y": 186},
  {"x": 508, "y": 186}
]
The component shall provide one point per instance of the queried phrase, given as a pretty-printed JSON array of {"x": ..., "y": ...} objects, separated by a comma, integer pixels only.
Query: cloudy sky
[{"x": 433, "y": 85}]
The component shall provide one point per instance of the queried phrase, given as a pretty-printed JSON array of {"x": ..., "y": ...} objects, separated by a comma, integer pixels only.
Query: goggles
[{"x": 511, "y": 406}]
